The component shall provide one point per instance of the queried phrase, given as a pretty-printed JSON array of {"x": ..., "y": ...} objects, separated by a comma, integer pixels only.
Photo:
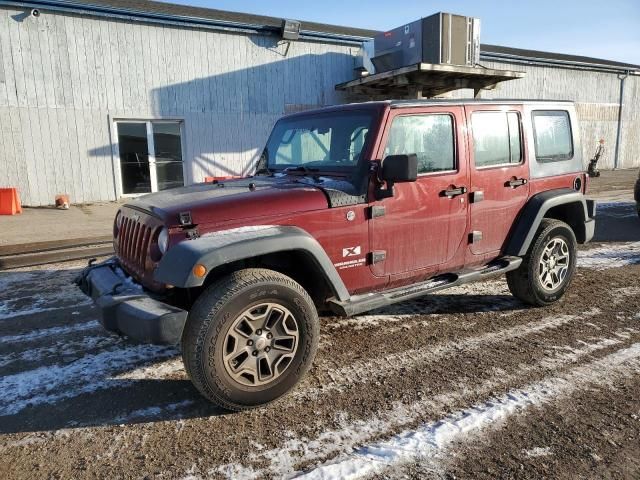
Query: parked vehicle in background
[{"x": 352, "y": 208}]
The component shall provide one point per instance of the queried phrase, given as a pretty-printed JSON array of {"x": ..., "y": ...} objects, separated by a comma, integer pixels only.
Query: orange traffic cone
[{"x": 9, "y": 201}]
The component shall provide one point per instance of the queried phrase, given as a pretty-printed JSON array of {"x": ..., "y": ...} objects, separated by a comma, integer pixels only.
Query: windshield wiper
[{"x": 300, "y": 169}]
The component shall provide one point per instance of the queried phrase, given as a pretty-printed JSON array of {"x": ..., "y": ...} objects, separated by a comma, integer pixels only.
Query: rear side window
[
  {"x": 496, "y": 138},
  {"x": 552, "y": 135},
  {"x": 430, "y": 137}
]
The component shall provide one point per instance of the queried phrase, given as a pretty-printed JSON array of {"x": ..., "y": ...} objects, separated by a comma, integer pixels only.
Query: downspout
[{"x": 616, "y": 159}]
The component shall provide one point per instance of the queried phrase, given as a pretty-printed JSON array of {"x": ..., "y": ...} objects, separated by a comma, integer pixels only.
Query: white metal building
[{"x": 121, "y": 97}]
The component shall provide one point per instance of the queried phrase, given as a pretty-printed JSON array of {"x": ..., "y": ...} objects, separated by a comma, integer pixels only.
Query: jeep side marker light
[{"x": 199, "y": 270}]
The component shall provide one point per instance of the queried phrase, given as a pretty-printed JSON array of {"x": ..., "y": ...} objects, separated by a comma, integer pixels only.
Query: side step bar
[{"x": 362, "y": 303}]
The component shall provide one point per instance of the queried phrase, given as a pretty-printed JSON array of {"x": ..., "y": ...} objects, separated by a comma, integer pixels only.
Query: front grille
[{"x": 133, "y": 242}]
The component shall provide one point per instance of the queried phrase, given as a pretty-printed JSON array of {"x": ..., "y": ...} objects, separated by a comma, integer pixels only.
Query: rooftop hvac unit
[{"x": 441, "y": 38}]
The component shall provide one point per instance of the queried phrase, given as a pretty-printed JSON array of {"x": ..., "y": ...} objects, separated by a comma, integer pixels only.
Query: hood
[{"x": 234, "y": 199}]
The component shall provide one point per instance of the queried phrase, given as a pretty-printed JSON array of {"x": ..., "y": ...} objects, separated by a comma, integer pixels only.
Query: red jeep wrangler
[{"x": 352, "y": 208}]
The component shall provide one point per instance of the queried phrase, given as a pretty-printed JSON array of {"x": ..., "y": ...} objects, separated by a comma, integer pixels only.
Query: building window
[
  {"x": 430, "y": 137},
  {"x": 150, "y": 156},
  {"x": 552, "y": 135},
  {"x": 496, "y": 138}
]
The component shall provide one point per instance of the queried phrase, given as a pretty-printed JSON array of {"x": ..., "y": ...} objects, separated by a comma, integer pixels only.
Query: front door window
[
  {"x": 422, "y": 227},
  {"x": 150, "y": 156}
]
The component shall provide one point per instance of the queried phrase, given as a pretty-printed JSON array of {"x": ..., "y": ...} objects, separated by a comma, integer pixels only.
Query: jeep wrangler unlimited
[{"x": 352, "y": 208}]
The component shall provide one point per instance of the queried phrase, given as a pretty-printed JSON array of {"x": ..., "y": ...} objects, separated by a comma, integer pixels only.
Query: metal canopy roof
[{"x": 424, "y": 80}]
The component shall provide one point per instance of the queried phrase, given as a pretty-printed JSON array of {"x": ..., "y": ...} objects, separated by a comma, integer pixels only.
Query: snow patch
[
  {"x": 361, "y": 371},
  {"x": 153, "y": 411},
  {"x": 49, "y": 332},
  {"x": 429, "y": 441},
  {"x": 86, "y": 375},
  {"x": 611, "y": 256},
  {"x": 62, "y": 348},
  {"x": 281, "y": 461},
  {"x": 537, "y": 452},
  {"x": 32, "y": 304},
  {"x": 617, "y": 209},
  {"x": 156, "y": 371}
]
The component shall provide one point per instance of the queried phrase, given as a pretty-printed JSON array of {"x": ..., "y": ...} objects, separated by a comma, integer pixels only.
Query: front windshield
[{"x": 327, "y": 141}]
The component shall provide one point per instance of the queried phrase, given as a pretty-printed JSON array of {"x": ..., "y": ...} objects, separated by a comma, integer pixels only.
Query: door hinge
[
  {"x": 377, "y": 256},
  {"x": 475, "y": 236},
  {"x": 376, "y": 211},
  {"x": 477, "y": 196}
]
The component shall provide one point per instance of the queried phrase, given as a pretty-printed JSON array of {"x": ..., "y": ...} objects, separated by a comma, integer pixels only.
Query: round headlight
[{"x": 163, "y": 240}]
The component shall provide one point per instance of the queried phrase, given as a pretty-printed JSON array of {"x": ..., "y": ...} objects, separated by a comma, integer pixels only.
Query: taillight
[{"x": 587, "y": 179}]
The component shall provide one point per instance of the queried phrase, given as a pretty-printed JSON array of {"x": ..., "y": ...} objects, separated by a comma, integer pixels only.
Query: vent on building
[{"x": 442, "y": 38}]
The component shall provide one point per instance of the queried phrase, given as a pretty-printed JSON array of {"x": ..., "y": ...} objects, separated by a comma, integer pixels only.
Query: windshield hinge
[
  {"x": 377, "y": 256},
  {"x": 376, "y": 211}
]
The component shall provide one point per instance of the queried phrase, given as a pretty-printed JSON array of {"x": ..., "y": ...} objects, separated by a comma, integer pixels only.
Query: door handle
[
  {"x": 516, "y": 182},
  {"x": 453, "y": 192}
]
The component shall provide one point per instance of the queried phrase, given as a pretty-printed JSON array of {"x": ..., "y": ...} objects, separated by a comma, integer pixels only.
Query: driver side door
[{"x": 423, "y": 226}]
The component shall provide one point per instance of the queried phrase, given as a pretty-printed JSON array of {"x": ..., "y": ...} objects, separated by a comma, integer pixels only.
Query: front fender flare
[{"x": 220, "y": 248}]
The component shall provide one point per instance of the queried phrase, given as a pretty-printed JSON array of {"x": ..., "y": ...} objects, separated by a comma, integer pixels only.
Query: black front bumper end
[{"x": 126, "y": 309}]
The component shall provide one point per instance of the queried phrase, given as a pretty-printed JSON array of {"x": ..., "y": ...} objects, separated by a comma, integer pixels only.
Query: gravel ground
[{"x": 467, "y": 384}]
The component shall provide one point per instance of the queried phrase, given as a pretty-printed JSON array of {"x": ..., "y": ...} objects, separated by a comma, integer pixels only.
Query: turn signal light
[{"x": 199, "y": 270}]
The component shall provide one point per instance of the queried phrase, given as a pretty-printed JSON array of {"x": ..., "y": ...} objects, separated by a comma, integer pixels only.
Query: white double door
[{"x": 150, "y": 154}]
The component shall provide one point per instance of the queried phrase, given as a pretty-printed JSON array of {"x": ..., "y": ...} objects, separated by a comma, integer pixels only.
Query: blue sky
[{"x": 607, "y": 29}]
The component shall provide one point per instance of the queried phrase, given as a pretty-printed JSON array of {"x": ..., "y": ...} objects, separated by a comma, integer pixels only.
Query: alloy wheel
[
  {"x": 554, "y": 264},
  {"x": 260, "y": 344}
]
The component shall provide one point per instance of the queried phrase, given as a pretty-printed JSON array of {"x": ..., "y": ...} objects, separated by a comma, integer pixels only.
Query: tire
[
  {"x": 227, "y": 316},
  {"x": 526, "y": 282}
]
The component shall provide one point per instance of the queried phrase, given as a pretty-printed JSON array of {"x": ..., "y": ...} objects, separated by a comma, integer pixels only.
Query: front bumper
[{"x": 126, "y": 309}]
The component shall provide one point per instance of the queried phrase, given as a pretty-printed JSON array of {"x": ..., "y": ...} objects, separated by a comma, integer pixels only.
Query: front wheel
[
  {"x": 249, "y": 338},
  {"x": 548, "y": 268}
]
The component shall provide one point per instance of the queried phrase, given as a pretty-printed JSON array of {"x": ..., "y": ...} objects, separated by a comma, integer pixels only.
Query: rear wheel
[
  {"x": 249, "y": 338},
  {"x": 548, "y": 268}
]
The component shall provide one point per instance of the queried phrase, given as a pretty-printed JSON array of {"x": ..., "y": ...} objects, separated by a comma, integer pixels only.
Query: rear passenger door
[{"x": 499, "y": 176}]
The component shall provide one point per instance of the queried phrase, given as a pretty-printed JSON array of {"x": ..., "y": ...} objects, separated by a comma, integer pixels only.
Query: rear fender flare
[
  {"x": 579, "y": 209},
  {"x": 227, "y": 246}
]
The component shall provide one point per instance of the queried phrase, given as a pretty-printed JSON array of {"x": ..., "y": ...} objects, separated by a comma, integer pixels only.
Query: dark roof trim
[
  {"x": 182, "y": 15},
  {"x": 519, "y": 55}
]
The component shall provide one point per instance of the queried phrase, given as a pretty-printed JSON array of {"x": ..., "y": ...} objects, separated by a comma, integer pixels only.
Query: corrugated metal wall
[
  {"x": 597, "y": 97},
  {"x": 62, "y": 78}
]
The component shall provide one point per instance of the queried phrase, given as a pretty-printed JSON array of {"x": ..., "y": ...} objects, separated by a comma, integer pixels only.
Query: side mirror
[
  {"x": 400, "y": 168},
  {"x": 397, "y": 169}
]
